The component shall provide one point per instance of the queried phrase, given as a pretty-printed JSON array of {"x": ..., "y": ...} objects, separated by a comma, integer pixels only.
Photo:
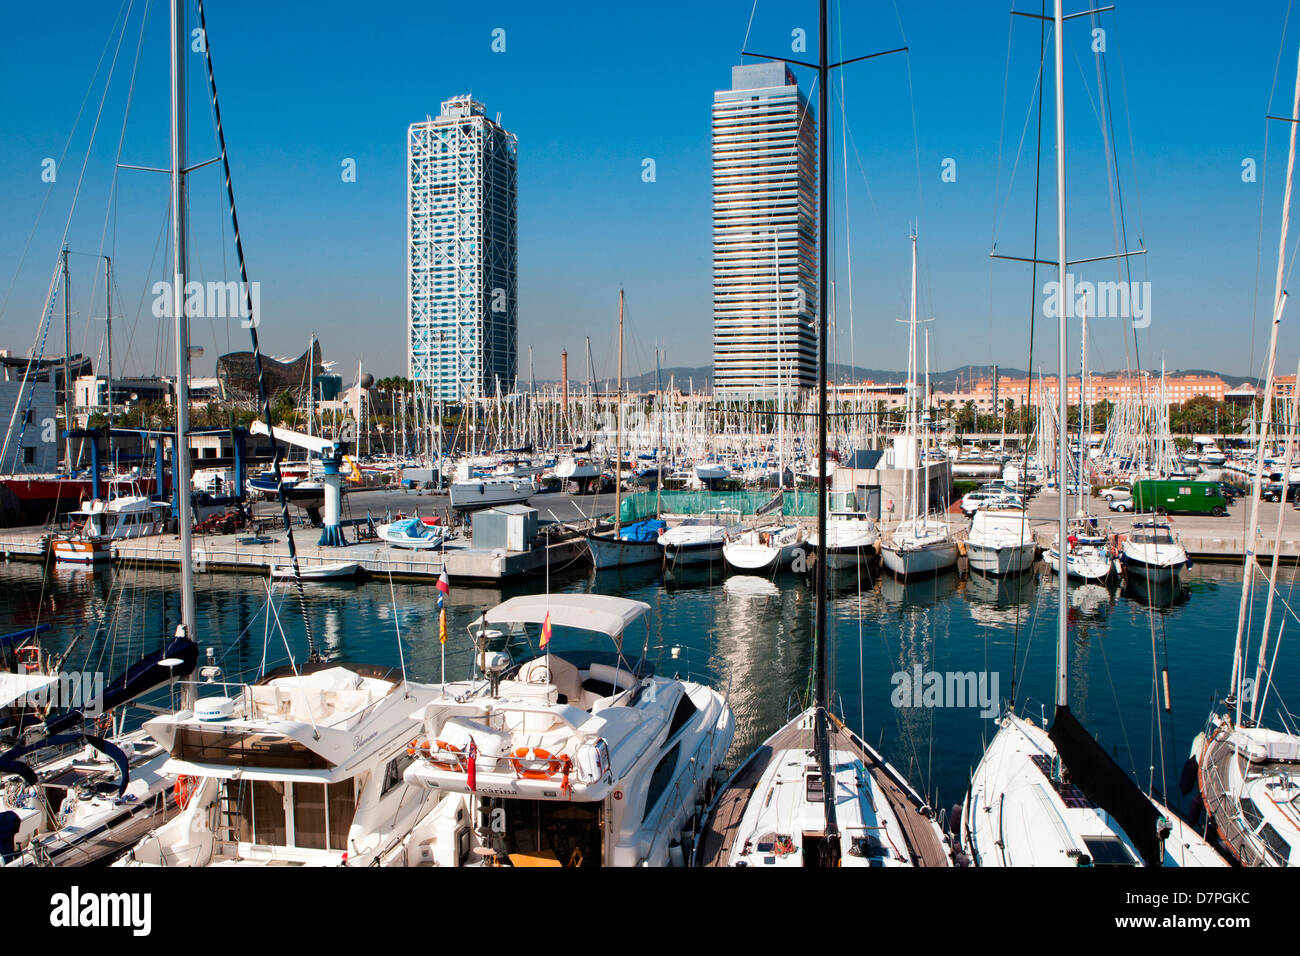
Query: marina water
[{"x": 751, "y": 636}]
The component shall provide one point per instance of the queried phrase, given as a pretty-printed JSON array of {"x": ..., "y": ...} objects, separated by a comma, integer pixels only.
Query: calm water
[{"x": 750, "y": 636}]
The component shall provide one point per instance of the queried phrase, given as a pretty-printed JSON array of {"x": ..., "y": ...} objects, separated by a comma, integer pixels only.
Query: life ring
[
  {"x": 29, "y": 657},
  {"x": 186, "y": 787},
  {"x": 553, "y": 763},
  {"x": 444, "y": 755}
]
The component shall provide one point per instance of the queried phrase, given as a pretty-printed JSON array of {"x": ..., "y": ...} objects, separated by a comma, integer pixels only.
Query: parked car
[
  {"x": 1115, "y": 492},
  {"x": 1272, "y": 491},
  {"x": 1120, "y": 504}
]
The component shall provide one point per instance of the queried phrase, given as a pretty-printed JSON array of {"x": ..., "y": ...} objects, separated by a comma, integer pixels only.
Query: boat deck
[
  {"x": 1217, "y": 774},
  {"x": 923, "y": 844}
]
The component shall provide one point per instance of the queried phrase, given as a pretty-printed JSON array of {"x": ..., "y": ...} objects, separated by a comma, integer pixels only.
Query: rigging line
[
  {"x": 1002, "y": 129},
  {"x": 397, "y": 626},
  {"x": 1263, "y": 184},
  {"x": 121, "y": 140},
  {"x": 1033, "y": 316},
  {"x": 1037, "y": 93},
  {"x": 745, "y": 44},
  {"x": 257, "y": 353},
  {"x": 66, "y": 147}
]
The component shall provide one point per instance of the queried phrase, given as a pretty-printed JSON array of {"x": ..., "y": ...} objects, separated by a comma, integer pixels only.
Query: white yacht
[
  {"x": 919, "y": 546},
  {"x": 772, "y": 811},
  {"x": 1000, "y": 541},
  {"x": 1153, "y": 553},
  {"x": 569, "y": 757},
  {"x": 851, "y": 538},
  {"x": 764, "y": 549},
  {"x": 696, "y": 540},
  {"x": 1025, "y": 809},
  {"x": 490, "y": 492},
  {"x": 1088, "y": 552},
  {"x": 303, "y": 767}
]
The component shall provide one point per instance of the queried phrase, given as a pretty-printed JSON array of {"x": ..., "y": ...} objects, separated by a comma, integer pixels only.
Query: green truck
[{"x": 1179, "y": 497}]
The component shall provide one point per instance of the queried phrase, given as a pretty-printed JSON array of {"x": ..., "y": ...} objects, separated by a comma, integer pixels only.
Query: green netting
[{"x": 739, "y": 503}]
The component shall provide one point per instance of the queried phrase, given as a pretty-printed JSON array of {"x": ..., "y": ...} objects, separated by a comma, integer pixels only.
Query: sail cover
[{"x": 1106, "y": 784}]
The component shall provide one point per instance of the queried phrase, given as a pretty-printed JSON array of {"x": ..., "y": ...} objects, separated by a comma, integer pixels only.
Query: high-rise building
[
  {"x": 462, "y": 248},
  {"x": 764, "y": 236}
]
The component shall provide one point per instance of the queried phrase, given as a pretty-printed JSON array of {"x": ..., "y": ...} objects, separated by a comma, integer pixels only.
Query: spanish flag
[
  {"x": 546, "y": 630},
  {"x": 442, "y": 626}
]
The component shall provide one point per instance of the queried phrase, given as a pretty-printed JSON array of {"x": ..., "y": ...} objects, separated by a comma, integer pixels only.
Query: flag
[
  {"x": 471, "y": 765},
  {"x": 442, "y": 626},
  {"x": 444, "y": 583},
  {"x": 546, "y": 630}
]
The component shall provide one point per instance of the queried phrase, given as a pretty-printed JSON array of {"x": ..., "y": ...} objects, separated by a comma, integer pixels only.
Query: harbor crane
[{"x": 331, "y": 456}]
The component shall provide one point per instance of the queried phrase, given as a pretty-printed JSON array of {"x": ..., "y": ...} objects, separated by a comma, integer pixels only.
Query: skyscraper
[
  {"x": 764, "y": 236},
  {"x": 462, "y": 307}
]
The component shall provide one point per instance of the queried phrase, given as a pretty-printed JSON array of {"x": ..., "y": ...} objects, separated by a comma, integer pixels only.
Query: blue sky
[{"x": 591, "y": 90}]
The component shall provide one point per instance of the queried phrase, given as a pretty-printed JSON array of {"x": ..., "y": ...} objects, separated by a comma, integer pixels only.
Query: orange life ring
[
  {"x": 446, "y": 756},
  {"x": 186, "y": 787},
  {"x": 29, "y": 657},
  {"x": 553, "y": 763}
]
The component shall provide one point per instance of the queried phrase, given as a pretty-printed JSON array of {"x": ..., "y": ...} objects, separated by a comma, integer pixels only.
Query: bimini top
[{"x": 588, "y": 612}]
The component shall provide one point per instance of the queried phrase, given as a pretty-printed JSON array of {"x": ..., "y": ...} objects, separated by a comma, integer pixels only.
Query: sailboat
[
  {"x": 1053, "y": 796},
  {"x": 815, "y": 793},
  {"x": 636, "y": 543},
  {"x": 921, "y": 544},
  {"x": 1248, "y": 775}
]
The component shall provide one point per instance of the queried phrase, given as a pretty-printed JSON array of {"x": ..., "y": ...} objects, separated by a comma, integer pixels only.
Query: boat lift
[{"x": 331, "y": 456}]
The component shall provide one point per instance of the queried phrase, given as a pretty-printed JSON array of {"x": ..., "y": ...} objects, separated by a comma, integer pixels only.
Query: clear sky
[{"x": 593, "y": 90}]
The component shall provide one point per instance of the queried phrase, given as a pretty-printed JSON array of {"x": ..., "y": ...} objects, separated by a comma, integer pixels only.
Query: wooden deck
[{"x": 720, "y": 833}]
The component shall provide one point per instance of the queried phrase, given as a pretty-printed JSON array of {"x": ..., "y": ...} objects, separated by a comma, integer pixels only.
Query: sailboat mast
[
  {"x": 1063, "y": 602},
  {"x": 180, "y": 217},
  {"x": 618, "y": 427},
  {"x": 108, "y": 335},
  {"x": 1266, "y": 415},
  {"x": 831, "y": 845},
  {"x": 67, "y": 361}
]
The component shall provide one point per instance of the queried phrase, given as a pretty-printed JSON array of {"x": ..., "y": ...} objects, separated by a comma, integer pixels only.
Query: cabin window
[
  {"x": 268, "y": 813},
  {"x": 1250, "y": 813},
  {"x": 29, "y": 456},
  {"x": 1184, "y": 491},
  {"x": 393, "y": 772},
  {"x": 309, "y": 816},
  {"x": 686, "y": 709},
  {"x": 1273, "y": 842},
  {"x": 264, "y": 751},
  {"x": 659, "y": 780},
  {"x": 1108, "y": 851},
  {"x": 342, "y": 800}
]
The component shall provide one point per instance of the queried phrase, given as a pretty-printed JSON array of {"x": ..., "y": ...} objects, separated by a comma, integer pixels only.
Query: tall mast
[
  {"x": 913, "y": 436},
  {"x": 618, "y": 427},
  {"x": 67, "y": 361},
  {"x": 180, "y": 216},
  {"x": 659, "y": 450},
  {"x": 1063, "y": 602},
  {"x": 1266, "y": 415},
  {"x": 831, "y": 844},
  {"x": 108, "y": 335}
]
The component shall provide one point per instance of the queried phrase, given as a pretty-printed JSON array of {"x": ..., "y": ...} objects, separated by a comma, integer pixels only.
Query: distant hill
[{"x": 702, "y": 377}]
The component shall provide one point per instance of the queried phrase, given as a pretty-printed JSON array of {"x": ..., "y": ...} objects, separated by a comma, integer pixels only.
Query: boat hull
[
  {"x": 1008, "y": 559},
  {"x": 916, "y": 562},
  {"x": 608, "y": 551},
  {"x": 704, "y": 552},
  {"x": 81, "y": 550}
]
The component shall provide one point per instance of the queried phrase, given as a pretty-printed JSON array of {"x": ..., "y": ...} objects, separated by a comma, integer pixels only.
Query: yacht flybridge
[
  {"x": 302, "y": 767},
  {"x": 566, "y": 758}
]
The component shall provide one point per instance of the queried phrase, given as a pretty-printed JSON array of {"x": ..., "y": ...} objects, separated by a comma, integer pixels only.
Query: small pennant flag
[
  {"x": 442, "y": 626},
  {"x": 546, "y": 630},
  {"x": 444, "y": 583},
  {"x": 471, "y": 766}
]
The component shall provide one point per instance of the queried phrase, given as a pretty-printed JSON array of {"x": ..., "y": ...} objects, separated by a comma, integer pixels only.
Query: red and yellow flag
[
  {"x": 546, "y": 630},
  {"x": 442, "y": 626}
]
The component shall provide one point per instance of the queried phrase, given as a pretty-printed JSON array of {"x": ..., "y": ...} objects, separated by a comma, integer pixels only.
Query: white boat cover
[{"x": 589, "y": 612}]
